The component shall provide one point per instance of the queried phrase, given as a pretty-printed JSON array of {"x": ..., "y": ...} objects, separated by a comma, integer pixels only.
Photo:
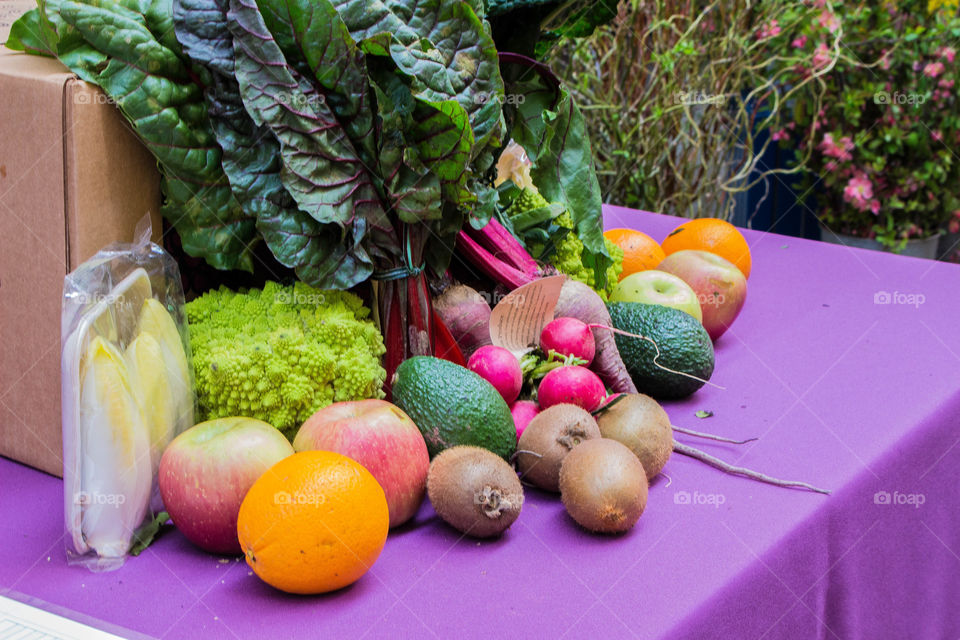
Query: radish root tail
[
  {"x": 710, "y": 436},
  {"x": 656, "y": 357},
  {"x": 741, "y": 471}
]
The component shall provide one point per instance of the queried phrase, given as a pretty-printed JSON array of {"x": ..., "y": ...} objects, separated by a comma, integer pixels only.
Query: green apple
[{"x": 658, "y": 287}]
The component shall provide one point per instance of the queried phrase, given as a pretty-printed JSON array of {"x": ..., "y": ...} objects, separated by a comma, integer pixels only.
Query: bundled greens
[{"x": 354, "y": 138}]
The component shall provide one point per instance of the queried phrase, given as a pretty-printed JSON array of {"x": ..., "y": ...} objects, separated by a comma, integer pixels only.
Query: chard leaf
[
  {"x": 420, "y": 136},
  {"x": 28, "y": 34},
  {"x": 315, "y": 41},
  {"x": 445, "y": 50},
  {"x": 251, "y": 160},
  {"x": 536, "y": 217},
  {"x": 551, "y": 129},
  {"x": 152, "y": 88},
  {"x": 322, "y": 170},
  {"x": 442, "y": 136}
]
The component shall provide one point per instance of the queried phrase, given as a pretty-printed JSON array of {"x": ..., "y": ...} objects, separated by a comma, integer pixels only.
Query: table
[{"x": 843, "y": 390}]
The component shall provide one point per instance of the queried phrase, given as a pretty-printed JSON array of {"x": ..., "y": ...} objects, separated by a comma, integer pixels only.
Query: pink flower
[
  {"x": 937, "y": 136},
  {"x": 885, "y": 60},
  {"x": 780, "y": 135},
  {"x": 933, "y": 69},
  {"x": 859, "y": 192},
  {"x": 840, "y": 151},
  {"x": 769, "y": 30},
  {"x": 954, "y": 226},
  {"x": 875, "y": 207},
  {"x": 945, "y": 83},
  {"x": 947, "y": 53},
  {"x": 799, "y": 42},
  {"x": 828, "y": 20},
  {"x": 821, "y": 56}
]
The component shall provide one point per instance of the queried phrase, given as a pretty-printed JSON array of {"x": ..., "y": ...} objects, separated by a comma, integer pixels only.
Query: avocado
[
  {"x": 452, "y": 405},
  {"x": 684, "y": 346}
]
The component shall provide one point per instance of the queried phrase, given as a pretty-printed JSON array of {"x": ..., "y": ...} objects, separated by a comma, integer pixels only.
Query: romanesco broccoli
[
  {"x": 527, "y": 200},
  {"x": 564, "y": 249},
  {"x": 281, "y": 353},
  {"x": 568, "y": 258}
]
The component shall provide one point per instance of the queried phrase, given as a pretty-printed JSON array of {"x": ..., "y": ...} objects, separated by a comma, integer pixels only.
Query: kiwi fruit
[
  {"x": 603, "y": 486},
  {"x": 549, "y": 437},
  {"x": 474, "y": 491},
  {"x": 638, "y": 421}
]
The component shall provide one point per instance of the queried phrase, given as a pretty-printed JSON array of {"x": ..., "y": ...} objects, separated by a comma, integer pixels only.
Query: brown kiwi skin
[
  {"x": 638, "y": 421},
  {"x": 474, "y": 491},
  {"x": 552, "y": 434},
  {"x": 603, "y": 486}
]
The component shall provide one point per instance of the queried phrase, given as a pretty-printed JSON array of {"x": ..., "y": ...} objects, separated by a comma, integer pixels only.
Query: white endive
[
  {"x": 116, "y": 473},
  {"x": 150, "y": 381},
  {"x": 157, "y": 322}
]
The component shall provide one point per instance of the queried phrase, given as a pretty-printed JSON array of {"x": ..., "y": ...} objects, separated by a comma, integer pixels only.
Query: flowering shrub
[
  {"x": 677, "y": 89},
  {"x": 880, "y": 142}
]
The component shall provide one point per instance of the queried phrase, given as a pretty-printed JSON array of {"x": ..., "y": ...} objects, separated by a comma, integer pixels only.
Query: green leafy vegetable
[
  {"x": 149, "y": 532},
  {"x": 551, "y": 129}
]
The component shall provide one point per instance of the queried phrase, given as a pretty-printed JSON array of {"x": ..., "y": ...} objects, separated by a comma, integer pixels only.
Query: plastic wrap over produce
[{"x": 126, "y": 392}]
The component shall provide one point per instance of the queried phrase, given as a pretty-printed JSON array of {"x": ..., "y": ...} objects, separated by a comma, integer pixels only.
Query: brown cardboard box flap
[{"x": 73, "y": 178}]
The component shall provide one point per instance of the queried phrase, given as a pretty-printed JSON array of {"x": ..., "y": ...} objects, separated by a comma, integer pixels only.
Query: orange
[
  {"x": 314, "y": 522},
  {"x": 713, "y": 235},
  {"x": 640, "y": 251}
]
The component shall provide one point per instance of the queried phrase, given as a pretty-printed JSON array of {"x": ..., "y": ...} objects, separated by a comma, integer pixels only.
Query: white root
[{"x": 741, "y": 471}]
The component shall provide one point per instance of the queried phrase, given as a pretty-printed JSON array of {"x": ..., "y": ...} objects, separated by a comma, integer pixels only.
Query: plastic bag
[{"x": 127, "y": 391}]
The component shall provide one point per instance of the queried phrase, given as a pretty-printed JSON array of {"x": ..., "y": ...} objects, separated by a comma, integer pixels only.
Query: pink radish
[
  {"x": 568, "y": 337},
  {"x": 577, "y": 300},
  {"x": 523, "y": 412},
  {"x": 572, "y": 385},
  {"x": 500, "y": 368}
]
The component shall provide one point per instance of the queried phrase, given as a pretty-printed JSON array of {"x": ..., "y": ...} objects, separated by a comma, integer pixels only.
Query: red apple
[
  {"x": 206, "y": 472},
  {"x": 720, "y": 286},
  {"x": 382, "y": 438}
]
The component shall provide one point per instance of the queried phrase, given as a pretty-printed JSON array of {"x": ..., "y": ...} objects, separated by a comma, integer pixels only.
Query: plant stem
[
  {"x": 710, "y": 436},
  {"x": 741, "y": 471}
]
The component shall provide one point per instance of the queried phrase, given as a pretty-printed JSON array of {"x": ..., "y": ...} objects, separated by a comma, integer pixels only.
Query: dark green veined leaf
[
  {"x": 314, "y": 250},
  {"x": 550, "y": 127},
  {"x": 321, "y": 168},
  {"x": 315, "y": 41},
  {"x": 444, "y": 48},
  {"x": 500, "y": 7},
  {"x": 443, "y": 238},
  {"x": 485, "y": 204},
  {"x": 322, "y": 172},
  {"x": 565, "y": 172},
  {"x": 152, "y": 88},
  {"x": 535, "y": 217},
  {"x": 420, "y": 136},
  {"x": 442, "y": 136},
  {"x": 251, "y": 160},
  {"x": 29, "y": 35},
  {"x": 575, "y": 20}
]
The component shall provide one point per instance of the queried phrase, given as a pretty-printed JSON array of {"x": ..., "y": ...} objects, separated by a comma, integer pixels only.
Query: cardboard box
[{"x": 73, "y": 178}]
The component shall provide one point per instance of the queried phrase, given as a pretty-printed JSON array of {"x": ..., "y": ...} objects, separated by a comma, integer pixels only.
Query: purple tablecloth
[{"x": 844, "y": 391}]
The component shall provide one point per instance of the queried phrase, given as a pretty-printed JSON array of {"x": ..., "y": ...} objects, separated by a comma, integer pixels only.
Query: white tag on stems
[{"x": 518, "y": 319}]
